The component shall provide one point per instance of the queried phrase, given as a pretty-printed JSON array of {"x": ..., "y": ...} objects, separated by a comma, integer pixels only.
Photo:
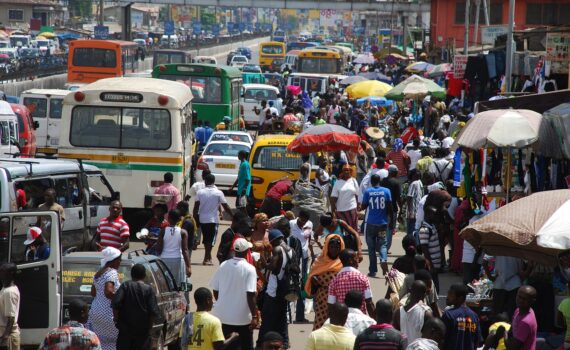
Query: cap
[
  {"x": 109, "y": 254},
  {"x": 33, "y": 234},
  {"x": 393, "y": 168},
  {"x": 274, "y": 234},
  {"x": 227, "y": 118},
  {"x": 446, "y": 119},
  {"x": 242, "y": 245}
]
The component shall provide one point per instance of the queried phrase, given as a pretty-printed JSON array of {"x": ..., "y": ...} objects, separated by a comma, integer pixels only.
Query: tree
[{"x": 80, "y": 8}]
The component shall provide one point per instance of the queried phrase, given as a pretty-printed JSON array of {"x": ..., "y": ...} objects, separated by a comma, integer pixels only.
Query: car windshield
[
  {"x": 224, "y": 149},
  {"x": 277, "y": 158},
  {"x": 240, "y": 59},
  {"x": 27, "y": 53},
  {"x": 229, "y": 136}
]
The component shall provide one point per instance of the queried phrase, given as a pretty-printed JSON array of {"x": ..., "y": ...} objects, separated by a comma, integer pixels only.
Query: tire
[{"x": 175, "y": 345}]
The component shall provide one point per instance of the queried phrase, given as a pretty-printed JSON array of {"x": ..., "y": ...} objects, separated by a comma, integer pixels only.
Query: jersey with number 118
[{"x": 377, "y": 200}]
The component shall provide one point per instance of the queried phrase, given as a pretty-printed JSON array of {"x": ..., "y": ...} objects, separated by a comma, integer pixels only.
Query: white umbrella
[{"x": 415, "y": 90}]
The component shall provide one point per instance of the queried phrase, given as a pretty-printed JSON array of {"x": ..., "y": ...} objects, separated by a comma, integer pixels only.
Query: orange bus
[{"x": 91, "y": 60}]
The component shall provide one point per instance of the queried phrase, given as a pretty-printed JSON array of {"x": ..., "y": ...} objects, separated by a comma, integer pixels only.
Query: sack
[
  {"x": 187, "y": 329},
  {"x": 289, "y": 287}
]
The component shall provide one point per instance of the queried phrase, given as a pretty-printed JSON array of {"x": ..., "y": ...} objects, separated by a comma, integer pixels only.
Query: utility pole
[
  {"x": 405, "y": 34},
  {"x": 476, "y": 29},
  {"x": 510, "y": 45},
  {"x": 466, "y": 40},
  {"x": 101, "y": 15},
  {"x": 486, "y": 11}
]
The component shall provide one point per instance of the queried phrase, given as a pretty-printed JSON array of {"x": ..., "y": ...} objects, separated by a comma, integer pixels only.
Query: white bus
[{"x": 136, "y": 129}]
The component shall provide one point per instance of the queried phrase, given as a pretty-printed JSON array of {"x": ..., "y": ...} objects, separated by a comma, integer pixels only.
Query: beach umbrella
[
  {"x": 397, "y": 93},
  {"x": 325, "y": 138},
  {"x": 352, "y": 79},
  {"x": 47, "y": 35},
  {"x": 439, "y": 70},
  {"x": 375, "y": 101},
  {"x": 364, "y": 59},
  {"x": 419, "y": 67},
  {"x": 376, "y": 76},
  {"x": 367, "y": 88},
  {"x": 534, "y": 228}
]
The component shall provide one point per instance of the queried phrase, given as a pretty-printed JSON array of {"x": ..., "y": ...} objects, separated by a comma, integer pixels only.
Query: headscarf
[
  {"x": 259, "y": 217},
  {"x": 398, "y": 145},
  {"x": 323, "y": 263}
]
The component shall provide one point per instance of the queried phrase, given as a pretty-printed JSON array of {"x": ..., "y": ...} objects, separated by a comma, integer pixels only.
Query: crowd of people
[{"x": 277, "y": 266}]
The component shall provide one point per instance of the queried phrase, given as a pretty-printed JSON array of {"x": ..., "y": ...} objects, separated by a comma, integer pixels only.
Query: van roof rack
[{"x": 28, "y": 162}]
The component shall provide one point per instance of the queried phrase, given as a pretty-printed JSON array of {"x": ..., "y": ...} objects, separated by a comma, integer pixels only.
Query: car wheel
[{"x": 175, "y": 345}]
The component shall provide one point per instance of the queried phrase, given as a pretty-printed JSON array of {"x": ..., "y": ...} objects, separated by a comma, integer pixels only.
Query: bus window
[
  {"x": 37, "y": 106},
  {"x": 95, "y": 127},
  {"x": 276, "y": 158},
  {"x": 92, "y": 57},
  {"x": 204, "y": 89},
  {"x": 235, "y": 91},
  {"x": 272, "y": 50},
  {"x": 5, "y": 137},
  {"x": 55, "y": 108}
]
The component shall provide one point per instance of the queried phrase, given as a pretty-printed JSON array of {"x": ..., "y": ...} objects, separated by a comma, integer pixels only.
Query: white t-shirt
[
  {"x": 365, "y": 183},
  {"x": 447, "y": 142},
  {"x": 303, "y": 234},
  {"x": 210, "y": 199},
  {"x": 9, "y": 307},
  {"x": 263, "y": 115},
  {"x": 441, "y": 168},
  {"x": 345, "y": 192},
  {"x": 415, "y": 155},
  {"x": 197, "y": 186},
  {"x": 233, "y": 280}
]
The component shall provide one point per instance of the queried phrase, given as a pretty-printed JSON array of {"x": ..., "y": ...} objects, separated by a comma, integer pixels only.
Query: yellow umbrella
[
  {"x": 47, "y": 35},
  {"x": 367, "y": 88}
]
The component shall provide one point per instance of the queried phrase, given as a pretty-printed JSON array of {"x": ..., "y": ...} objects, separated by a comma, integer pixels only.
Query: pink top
[
  {"x": 524, "y": 329},
  {"x": 168, "y": 189}
]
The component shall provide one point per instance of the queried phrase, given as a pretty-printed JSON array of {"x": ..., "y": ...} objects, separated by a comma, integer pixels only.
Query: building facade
[
  {"x": 448, "y": 18},
  {"x": 16, "y": 14}
]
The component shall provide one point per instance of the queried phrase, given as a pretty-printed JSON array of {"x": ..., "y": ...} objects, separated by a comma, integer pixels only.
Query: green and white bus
[{"x": 216, "y": 89}]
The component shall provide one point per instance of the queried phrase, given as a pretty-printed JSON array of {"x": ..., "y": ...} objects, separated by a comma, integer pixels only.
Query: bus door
[{"x": 38, "y": 277}]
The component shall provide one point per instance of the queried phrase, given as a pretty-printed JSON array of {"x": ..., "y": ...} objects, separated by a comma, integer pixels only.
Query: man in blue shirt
[
  {"x": 377, "y": 201},
  {"x": 243, "y": 182},
  {"x": 203, "y": 134},
  {"x": 463, "y": 331}
]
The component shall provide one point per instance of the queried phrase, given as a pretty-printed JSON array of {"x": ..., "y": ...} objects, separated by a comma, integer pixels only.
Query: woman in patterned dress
[
  {"x": 105, "y": 284},
  {"x": 322, "y": 272}
]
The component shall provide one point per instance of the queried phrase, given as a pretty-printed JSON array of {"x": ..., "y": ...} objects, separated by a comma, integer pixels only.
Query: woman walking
[
  {"x": 172, "y": 246},
  {"x": 105, "y": 284}
]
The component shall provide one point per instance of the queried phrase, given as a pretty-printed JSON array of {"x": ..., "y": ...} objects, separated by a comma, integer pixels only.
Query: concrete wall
[{"x": 57, "y": 81}]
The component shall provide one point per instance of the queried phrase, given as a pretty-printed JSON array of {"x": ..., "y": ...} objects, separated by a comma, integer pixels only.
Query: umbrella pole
[{"x": 508, "y": 174}]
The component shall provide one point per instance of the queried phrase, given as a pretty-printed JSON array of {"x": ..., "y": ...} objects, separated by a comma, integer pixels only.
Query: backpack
[{"x": 289, "y": 287}]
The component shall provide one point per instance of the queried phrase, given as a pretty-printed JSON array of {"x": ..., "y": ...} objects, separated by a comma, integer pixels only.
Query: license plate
[
  {"x": 120, "y": 159},
  {"x": 225, "y": 166}
]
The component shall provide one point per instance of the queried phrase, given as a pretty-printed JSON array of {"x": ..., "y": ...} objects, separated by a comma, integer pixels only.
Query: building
[
  {"x": 448, "y": 18},
  {"x": 18, "y": 13},
  {"x": 142, "y": 16}
]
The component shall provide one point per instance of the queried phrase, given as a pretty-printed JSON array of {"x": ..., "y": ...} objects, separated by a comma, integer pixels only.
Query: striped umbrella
[
  {"x": 325, "y": 138},
  {"x": 419, "y": 67},
  {"x": 439, "y": 70}
]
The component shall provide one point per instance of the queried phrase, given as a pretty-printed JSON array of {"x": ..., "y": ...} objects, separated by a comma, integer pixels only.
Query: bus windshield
[
  {"x": 276, "y": 157},
  {"x": 204, "y": 89},
  {"x": 93, "y": 57},
  {"x": 165, "y": 57},
  {"x": 272, "y": 50},
  {"x": 318, "y": 65},
  {"x": 116, "y": 127}
]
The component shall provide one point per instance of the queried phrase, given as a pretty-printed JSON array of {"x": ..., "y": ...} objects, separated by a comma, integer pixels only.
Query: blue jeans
[
  {"x": 300, "y": 308},
  {"x": 376, "y": 242}
]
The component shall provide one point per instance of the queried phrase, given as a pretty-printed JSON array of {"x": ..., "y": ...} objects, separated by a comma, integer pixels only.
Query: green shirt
[
  {"x": 320, "y": 121},
  {"x": 244, "y": 175},
  {"x": 564, "y": 308}
]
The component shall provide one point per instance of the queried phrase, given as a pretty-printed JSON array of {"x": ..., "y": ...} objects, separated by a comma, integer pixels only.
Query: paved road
[{"x": 298, "y": 333}]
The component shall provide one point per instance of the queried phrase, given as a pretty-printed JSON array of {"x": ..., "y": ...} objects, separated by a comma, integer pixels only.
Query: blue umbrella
[{"x": 375, "y": 101}]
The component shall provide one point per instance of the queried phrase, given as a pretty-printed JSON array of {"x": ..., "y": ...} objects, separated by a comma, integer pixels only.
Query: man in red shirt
[
  {"x": 272, "y": 203},
  {"x": 113, "y": 231}
]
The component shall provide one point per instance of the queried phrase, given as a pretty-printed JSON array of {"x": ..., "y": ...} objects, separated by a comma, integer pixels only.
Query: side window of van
[
  {"x": 37, "y": 106},
  {"x": 4, "y": 239},
  {"x": 68, "y": 192},
  {"x": 32, "y": 193},
  {"x": 55, "y": 108},
  {"x": 27, "y": 244}
]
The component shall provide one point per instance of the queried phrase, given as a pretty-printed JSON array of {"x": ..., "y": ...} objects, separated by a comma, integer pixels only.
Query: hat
[
  {"x": 241, "y": 245},
  {"x": 393, "y": 168},
  {"x": 142, "y": 234},
  {"x": 375, "y": 133},
  {"x": 33, "y": 234},
  {"x": 274, "y": 234},
  {"x": 109, "y": 254},
  {"x": 446, "y": 119}
]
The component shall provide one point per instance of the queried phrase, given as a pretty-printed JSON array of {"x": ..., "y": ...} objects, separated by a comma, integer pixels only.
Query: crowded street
[{"x": 257, "y": 175}]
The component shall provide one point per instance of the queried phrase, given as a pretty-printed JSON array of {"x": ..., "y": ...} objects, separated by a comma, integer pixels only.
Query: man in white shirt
[
  {"x": 414, "y": 153},
  {"x": 9, "y": 307},
  {"x": 383, "y": 173},
  {"x": 193, "y": 192},
  {"x": 441, "y": 168},
  {"x": 357, "y": 321},
  {"x": 235, "y": 285},
  {"x": 206, "y": 207},
  {"x": 302, "y": 228}
]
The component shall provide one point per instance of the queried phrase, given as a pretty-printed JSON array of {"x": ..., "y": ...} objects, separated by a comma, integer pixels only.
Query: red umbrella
[
  {"x": 325, "y": 138},
  {"x": 294, "y": 89}
]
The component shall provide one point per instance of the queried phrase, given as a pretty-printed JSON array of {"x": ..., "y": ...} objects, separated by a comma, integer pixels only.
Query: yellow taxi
[{"x": 270, "y": 161}]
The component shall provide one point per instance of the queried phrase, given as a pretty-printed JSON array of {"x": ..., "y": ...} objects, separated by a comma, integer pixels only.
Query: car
[
  {"x": 238, "y": 61},
  {"x": 241, "y": 136},
  {"x": 275, "y": 65},
  {"x": 78, "y": 271},
  {"x": 251, "y": 68},
  {"x": 205, "y": 59},
  {"x": 231, "y": 54},
  {"x": 221, "y": 158},
  {"x": 246, "y": 51}
]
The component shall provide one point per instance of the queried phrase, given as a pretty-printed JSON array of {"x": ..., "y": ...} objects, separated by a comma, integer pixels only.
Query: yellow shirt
[
  {"x": 207, "y": 329},
  {"x": 331, "y": 337},
  {"x": 494, "y": 327}
]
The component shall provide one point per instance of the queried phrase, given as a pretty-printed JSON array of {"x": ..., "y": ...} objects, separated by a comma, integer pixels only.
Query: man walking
[
  {"x": 350, "y": 278},
  {"x": 333, "y": 336},
  {"x": 113, "y": 231},
  {"x": 302, "y": 229},
  {"x": 463, "y": 330},
  {"x": 377, "y": 201},
  {"x": 208, "y": 201},
  {"x": 410, "y": 318},
  {"x": 134, "y": 310},
  {"x": 73, "y": 334},
  {"x": 243, "y": 182},
  {"x": 235, "y": 285},
  {"x": 9, "y": 308},
  {"x": 381, "y": 335},
  {"x": 394, "y": 184},
  {"x": 170, "y": 191}
]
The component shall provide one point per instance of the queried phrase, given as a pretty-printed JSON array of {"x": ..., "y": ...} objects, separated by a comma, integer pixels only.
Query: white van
[
  {"x": 9, "y": 134},
  {"x": 252, "y": 95},
  {"x": 169, "y": 41},
  {"x": 46, "y": 107},
  {"x": 205, "y": 59}
]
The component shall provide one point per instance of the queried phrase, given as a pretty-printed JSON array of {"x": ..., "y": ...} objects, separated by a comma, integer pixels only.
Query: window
[
  {"x": 21, "y": 253},
  {"x": 170, "y": 280},
  {"x": 547, "y": 14},
  {"x": 318, "y": 65},
  {"x": 34, "y": 190},
  {"x": 113, "y": 127},
  {"x": 272, "y": 50},
  {"x": 21, "y": 128},
  {"x": 204, "y": 89},
  {"x": 252, "y": 95},
  {"x": 276, "y": 158},
  {"x": 68, "y": 192},
  {"x": 159, "y": 277},
  {"x": 236, "y": 86},
  {"x": 224, "y": 149},
  {"x": 496, "y": 12},
  {"x": 99, "y": 191},
  {"x": 55, "y": 108},
  {"x": 15, "y": 15},
  {"x": 91, "y": 57},
  {"x": 37, "y": 106},
  {"x": 4, "y": 239}
]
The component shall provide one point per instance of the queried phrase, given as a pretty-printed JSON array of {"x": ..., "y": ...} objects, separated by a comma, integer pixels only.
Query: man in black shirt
[
  {"x": 134, "y": 310},
  {"x": 394, "y": 185},
  {"x": 381, "y": 335}
]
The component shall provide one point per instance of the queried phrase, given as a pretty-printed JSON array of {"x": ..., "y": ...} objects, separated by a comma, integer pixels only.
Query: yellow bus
[
  {"x": 320, "y": 61},
  {"x": 271, "y": 55}
]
